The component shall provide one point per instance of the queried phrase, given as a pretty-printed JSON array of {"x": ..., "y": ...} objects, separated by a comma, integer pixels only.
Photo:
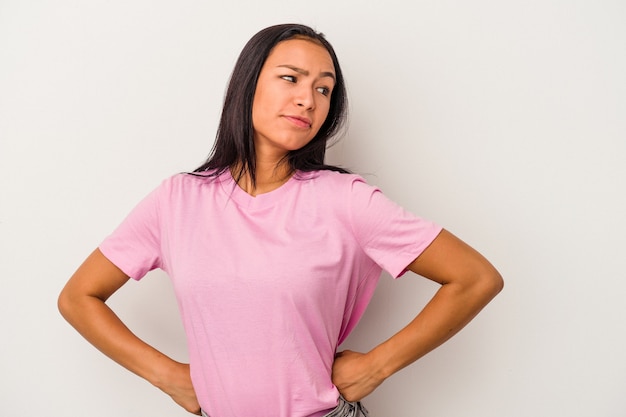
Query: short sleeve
[
  {"x": 135, "y": 245},
  {"x": 390, "y": 235}
]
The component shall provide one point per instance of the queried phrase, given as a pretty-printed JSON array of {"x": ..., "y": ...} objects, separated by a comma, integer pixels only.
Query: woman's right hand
[
  {"x": 83, "y": 304},
  {"x": 177, "y": 384}
]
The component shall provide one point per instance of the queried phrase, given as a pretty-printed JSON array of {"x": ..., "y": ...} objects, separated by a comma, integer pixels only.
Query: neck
[{"x": 268, "y": 177}]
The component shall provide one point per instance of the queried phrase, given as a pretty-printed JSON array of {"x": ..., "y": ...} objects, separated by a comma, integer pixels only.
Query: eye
[
  {"x": 323, "y": 90},
  {"x": 290, "y": 78}
]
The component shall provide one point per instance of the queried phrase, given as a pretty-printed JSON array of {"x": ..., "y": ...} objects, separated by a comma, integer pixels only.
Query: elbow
[
  {"x": 491, "y": 283},
  {"x": 498, "y": 283},
  {"x": 64, "y": 304},
  {"x": 67, "y": 305}
]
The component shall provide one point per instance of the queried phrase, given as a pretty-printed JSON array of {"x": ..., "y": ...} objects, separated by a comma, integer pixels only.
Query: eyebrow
[{"x": 305, "y": 72}]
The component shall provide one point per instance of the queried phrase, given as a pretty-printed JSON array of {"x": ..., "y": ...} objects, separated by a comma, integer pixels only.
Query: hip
[{"x": 343, "y": 409}]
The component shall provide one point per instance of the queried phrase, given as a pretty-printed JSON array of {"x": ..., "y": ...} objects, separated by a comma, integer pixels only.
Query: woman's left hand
[
  {"x": 354, "y": 375},
  {"x": 468, "y": 282}
]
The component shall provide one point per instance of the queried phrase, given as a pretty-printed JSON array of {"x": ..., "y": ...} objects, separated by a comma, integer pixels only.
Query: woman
[{"x": 274, "y": 255}]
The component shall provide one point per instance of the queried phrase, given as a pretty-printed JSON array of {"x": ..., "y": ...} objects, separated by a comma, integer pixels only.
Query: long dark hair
[{"x": 234, "y": 144}]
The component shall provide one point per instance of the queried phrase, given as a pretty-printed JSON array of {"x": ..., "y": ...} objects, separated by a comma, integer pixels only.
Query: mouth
[{"x": 302, "y": 122}]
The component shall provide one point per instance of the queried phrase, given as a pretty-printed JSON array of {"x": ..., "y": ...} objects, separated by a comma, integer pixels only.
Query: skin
[
  {"x": 292, "y": 96},
  {"x": 83, "y": 304},
  {"x": 468, "y": 282},
  {"x": 290, "y": 104}
]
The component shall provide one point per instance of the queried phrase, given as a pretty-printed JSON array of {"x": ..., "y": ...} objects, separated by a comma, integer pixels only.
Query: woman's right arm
[{"x": 82, "y": 304}]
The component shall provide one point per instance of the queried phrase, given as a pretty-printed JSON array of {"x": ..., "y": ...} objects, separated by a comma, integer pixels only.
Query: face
[{"x": 292, "y": 96}]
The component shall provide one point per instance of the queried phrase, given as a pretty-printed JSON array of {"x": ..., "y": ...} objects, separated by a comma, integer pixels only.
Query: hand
[
  {"x": 177, "y": 384},
  {"x": 83, "y": 303},
  {"x": 354, "y": 375}
]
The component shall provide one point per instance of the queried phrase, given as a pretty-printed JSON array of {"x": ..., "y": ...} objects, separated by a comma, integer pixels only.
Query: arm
[
  {"x": 82, "y": 304},
  {"x": 468, "y": 282}
]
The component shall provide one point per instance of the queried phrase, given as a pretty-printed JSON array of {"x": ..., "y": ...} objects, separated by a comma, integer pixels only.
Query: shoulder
[
  {"x": 334, "y": 181},
  {"x": 190, "y": 181},
  {"x": 344, "y": 194},
  {"x": 184, "y": 187}
]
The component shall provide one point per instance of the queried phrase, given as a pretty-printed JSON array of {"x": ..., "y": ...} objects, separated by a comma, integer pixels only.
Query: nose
[{"x": 305, "y": 97}]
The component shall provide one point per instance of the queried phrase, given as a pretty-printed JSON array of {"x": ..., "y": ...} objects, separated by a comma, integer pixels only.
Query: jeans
[
  {"x": 343, "y": 409},
  {"x": 348, "y": 409}
]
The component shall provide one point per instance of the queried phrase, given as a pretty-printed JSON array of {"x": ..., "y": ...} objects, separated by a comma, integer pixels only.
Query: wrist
[
  {"x": 380, "y": 364},
  {"x": 162, "y": 371}
]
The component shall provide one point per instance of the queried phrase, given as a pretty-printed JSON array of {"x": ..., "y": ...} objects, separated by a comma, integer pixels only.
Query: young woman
[{"x": 274, "y": 255}]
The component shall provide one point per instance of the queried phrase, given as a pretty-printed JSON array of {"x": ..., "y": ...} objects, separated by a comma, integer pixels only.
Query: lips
[{"x": 299, "y": 121}]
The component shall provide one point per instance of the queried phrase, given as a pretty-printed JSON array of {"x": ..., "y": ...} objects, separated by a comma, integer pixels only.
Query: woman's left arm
[{"x": 468, "y": 282}]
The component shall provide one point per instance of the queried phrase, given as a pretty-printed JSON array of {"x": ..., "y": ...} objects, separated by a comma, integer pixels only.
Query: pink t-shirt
[{"x": 268, "y": 286}]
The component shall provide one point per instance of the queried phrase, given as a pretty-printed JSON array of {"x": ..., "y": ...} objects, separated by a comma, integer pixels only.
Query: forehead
[{"x": 303, "y": 53}]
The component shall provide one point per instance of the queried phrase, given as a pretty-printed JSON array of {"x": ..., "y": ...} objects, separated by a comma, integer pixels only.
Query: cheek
[
  {"x": 260, "y": 102},
  {"x": 323, "y": 116},
  {"x": 258, "y": 113}
]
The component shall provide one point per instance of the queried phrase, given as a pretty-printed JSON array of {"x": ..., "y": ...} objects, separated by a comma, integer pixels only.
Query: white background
[{"x": 503, "y": 121}]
